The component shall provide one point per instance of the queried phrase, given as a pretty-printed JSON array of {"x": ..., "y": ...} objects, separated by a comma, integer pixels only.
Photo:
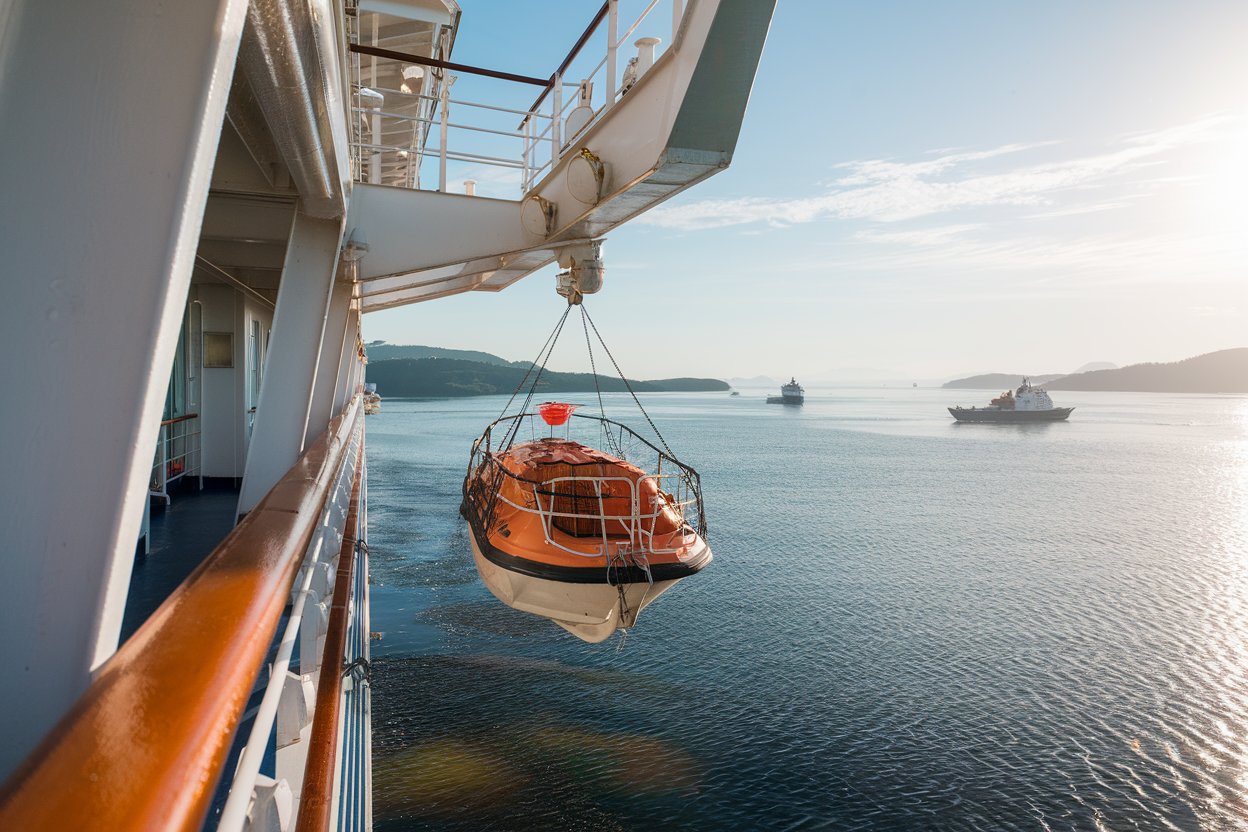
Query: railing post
[
  {"x": 164, "y": 463},
  {"x": 556, "y": 123},
  {"x": 447, "y": 80},
  {"x": 524, "y": 161},
  {"x": 677, "y": 15},
  {"x": 374, "y": 135},
  {"x": 613, "y": 37}
]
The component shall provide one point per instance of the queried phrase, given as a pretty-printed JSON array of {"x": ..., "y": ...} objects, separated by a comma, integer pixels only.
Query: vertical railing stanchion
[
  {"x": 677, "y": 15},
  {"x": 164, "y": 462},
  {"x": 374, "y": 162},
  {"x": 524, "y": 159},
  {"x": 446, "y": 97},
  {"x": 613, "y": 37},
  {"x": 556, "y": 121}
]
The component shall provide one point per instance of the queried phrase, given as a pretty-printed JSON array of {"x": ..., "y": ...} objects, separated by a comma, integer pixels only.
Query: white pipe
[
  {"x": 447, "y": 80},
  {"x": 613, "y": 24},
  {"x": 556, "y": 133}
]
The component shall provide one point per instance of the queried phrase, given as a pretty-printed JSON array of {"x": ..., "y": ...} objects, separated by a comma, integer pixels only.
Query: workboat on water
[
  {"x": 1027, "y": 404},
  {"x": 791, "y": 393}
]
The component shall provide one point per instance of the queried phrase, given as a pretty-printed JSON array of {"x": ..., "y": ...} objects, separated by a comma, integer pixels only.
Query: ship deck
[{"x": 182, "y": 535}]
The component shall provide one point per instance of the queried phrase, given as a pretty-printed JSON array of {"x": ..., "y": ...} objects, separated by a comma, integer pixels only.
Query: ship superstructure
[
  {"x": 790, "y": 393},
  {"x": 226, "y": 188}
]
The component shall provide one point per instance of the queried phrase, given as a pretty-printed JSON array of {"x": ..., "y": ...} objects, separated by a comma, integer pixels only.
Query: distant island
[
  {"x": 381, "y": 351},
  {"x": 1224, "y": 371},
  {"x": 999, "y": 381},
  {"x": 436, "y": 375}
]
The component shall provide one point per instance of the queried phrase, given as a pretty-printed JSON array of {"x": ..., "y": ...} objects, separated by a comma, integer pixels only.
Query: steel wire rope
[
  {"x": 616, "y": 447},
  {"x": 553, "y": 340},
  {"x": 553, "y": 334},
  {"x": 509, "y": 435},
  {"x": 627, "y": 385},
  {"x": 689, "y": 482},
  {"x": 513, "y": 430}
]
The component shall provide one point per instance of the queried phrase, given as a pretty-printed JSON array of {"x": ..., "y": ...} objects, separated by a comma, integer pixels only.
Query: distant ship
[
  {"x": 791, "y": 393},
  {"x": 1027, "y": 404}
]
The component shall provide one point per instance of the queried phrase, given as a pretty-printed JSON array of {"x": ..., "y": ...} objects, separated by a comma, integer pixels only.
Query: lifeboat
[{"x": 583, "y": 536}]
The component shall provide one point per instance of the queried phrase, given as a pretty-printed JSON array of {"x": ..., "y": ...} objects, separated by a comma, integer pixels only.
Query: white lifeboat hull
[{"x": 591, "y": 612}]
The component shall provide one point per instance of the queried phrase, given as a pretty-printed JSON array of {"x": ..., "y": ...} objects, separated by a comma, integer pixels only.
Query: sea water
[{"x": 909, "y": 624}]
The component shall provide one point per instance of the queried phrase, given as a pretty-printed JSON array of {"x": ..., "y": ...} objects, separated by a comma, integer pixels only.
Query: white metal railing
[
  {"x": 395, "y": 132},
  {"x": 285, "y": 701},
  {"x": 640, "y": 536},
  {"x": 628, "y": 506},
  {"x": 177, "y": 454}
]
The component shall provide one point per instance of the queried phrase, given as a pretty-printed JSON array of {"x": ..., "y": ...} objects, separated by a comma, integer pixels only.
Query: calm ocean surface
[{"x": 909, "y": 624}]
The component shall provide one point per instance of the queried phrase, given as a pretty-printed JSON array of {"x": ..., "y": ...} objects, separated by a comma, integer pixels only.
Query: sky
[{"x": 920, "y": 191}]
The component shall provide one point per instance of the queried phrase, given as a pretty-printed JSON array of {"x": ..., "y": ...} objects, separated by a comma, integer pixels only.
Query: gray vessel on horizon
[
  {"x": 1027, "y": 404},
  {"x": 791, "y": 393}
]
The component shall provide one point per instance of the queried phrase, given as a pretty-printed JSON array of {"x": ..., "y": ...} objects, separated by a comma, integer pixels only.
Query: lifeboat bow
[{"x": 582, "y": 536}]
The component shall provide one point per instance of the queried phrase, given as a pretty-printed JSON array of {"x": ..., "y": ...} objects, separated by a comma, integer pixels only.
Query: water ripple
[{"x": 907, "y": 626}]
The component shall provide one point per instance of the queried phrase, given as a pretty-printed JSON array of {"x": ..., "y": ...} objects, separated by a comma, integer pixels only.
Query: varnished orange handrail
[
  {"x": 184, "y": 418},
  {"x": 145, "y": 744},
  {"x": 317, "y": 796}
]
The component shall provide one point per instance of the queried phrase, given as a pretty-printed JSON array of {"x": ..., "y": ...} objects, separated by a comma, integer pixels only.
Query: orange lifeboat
[{"x": 573, "y": 533}]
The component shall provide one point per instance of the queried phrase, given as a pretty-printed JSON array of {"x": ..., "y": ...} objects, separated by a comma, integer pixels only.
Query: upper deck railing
[
  {"x": 177, "y": 454},
  {"x": 396, "y": 131}
]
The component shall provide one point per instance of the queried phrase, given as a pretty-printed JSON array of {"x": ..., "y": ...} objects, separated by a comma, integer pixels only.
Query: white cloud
[
  {"x": 1076, "y": 210},
  {"x": 891, "y": 191},
  {"x": 1107, "y": 259}
]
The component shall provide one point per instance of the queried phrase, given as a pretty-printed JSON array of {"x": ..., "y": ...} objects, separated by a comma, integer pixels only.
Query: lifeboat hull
[{"x": 591, "y": 612}]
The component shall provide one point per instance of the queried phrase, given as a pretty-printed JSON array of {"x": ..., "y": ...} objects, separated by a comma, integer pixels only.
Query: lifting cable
[
  {"x": 627, "y": 386},
  {"x": 539, "y": 365},
  {"x": 614, "y": 446},
  {"x": 547, "y": 349}
]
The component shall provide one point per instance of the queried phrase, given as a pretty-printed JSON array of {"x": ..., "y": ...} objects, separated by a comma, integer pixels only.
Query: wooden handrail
[
  {"x": 144, "y": 746},
  {"x": 183, "y": 418},
  {"x": 407, "y": 57},
  {"x": 317, "y": 796}
]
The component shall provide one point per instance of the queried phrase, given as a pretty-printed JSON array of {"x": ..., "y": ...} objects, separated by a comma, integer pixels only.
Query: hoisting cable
[
  {"x": 671, "y": 454},
  {"x": 532, "y": 366},
  {"x": 589, "y": 347},
  {"x": 548, "y": 349}
]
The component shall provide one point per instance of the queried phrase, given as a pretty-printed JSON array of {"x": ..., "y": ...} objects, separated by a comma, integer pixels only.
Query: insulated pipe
[{"x": 288, "y": 59}]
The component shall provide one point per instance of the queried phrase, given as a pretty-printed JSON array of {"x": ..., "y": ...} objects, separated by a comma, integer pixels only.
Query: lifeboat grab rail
[
  {"x": 146, "y": 743},
  {"x": 639, "y": 537},
  {"x": 486, "y": 496}
]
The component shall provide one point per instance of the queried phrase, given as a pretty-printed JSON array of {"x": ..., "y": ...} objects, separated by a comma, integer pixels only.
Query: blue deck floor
[{"x": 182, "y": 536}]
